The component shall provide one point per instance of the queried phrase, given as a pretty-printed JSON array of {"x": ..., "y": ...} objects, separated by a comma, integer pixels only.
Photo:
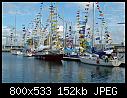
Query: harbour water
[{"x": 19, "y": 69}]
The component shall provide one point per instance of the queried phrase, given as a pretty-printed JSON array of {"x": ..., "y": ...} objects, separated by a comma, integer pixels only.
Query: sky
[{"x": 25, "y": 12}]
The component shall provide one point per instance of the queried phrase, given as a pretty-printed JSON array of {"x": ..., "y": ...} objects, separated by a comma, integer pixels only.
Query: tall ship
[
  {"x": 50, "y": 47},
  {"x": 75, "y": 44},
  {"x": 104, "y": 55}
]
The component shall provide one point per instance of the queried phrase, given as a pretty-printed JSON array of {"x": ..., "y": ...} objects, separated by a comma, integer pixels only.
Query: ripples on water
[{"x": 19, "y": 69}]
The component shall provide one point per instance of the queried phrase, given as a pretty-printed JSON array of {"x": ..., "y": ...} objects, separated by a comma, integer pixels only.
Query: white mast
[
  {"x": 15, "y": 31},
  {"x": 93, "y": 27}
]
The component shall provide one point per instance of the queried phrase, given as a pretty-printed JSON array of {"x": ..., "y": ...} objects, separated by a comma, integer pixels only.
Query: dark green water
[{"x": 19, "y": 69}]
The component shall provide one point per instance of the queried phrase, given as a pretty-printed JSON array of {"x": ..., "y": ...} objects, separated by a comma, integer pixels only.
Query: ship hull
[
  {"x": 50, "y": 57},
  {"x": 71, "y": 58},
  {"x": 113, "y": 63}
]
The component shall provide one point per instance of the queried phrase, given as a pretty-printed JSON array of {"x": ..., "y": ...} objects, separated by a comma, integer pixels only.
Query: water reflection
[
  {"x": 101, "y": 74},
  {"x": 18, "y": 69}
]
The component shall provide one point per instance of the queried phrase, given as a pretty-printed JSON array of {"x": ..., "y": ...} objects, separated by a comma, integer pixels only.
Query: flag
[
  {"x": 87, "y": 5},
  {"x": 108, "y": 35},
  {"x": 106, "y": 41},
  {"x": 98, "y": 8},
  {"x": 82, "y": 32},
  {"x": 83, "y": 27},
  {"x": 100, "y": 18},
  {"x": 97, "y": 5},
  {"x": 24, "y": 30},
  {"x": 86, "y": 36},
  {"x": 98, "y": 38},
  {"x": 88, "y": 32},
  {"x": 85, "y": 12},
  {"x": 82, "y": 22},
  {"x": 81, "y": 36},
  {"x": 109, "y": 38},
  {"x": 99, "y": 41},
  {"x": 100, "y": 11},
  {"x": 101, "y": 14},
  {"x": 77, "y": 16},
  {"x": 86, "y": 8},
  {"x": 24, "y": 35},
  {"x": 88, "y": 28}
]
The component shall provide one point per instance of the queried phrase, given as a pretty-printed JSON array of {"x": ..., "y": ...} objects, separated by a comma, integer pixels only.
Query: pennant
[
  {"x": 98, "y": 8},
  {"x": 23, "y": 36},
  {"x": 86, "y": 8},
  {"x": 83, "y": 27},
  {"x": 88, "y": 28},
  {"x": 87, "y": 5},
  {"x": 86, "y": 36},
  {"x": 82, "y": 32},
  {"x": 24, "y": 30},
  {"x": 107, "y": 35},
  {"x": 77, "y": 16},
  {"x": 51, "y": 11},
  {"x": 100, "y": 11},
  {"x": 88, "y": 32},
  {"x": 101, "y": 14},
  {"x": 82, "y": 22},
  {"x": 77, "y": 12},
  {"x": 99, "y": 41},
  {"x": 109, "y": 38},
  {"x": 98, "y": 38},
  {"x": 97, "y": 5},
  {"x": 106, "y": 41},
  {"x": 81, "y": 37},
  {"x": 86, "y": 12}
]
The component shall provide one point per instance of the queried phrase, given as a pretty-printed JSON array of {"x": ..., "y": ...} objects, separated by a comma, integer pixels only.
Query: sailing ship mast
[
  {"x": 54, "y": 36},
  {"x": 15, "y": 32},
  {"x": 93, "y": 27},
  {"x": 78, "y": 26},
  {"x": 51, "y": 23}
]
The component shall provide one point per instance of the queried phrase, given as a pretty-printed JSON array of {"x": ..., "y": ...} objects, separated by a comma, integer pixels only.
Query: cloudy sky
[{"x": 25, "y": 12}]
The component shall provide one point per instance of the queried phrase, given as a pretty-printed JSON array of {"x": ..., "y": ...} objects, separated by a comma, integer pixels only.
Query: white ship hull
[{"x": 93, "y": 61}]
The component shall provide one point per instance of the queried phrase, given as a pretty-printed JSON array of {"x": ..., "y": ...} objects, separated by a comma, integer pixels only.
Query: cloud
[
  {"x": 120, "y": 3},
  {"x": 5, "y": 31},
  {"x": 8, "y": 5},
  {"x": 20, "y": 8},
  {"x": 82, "y": 5}
]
